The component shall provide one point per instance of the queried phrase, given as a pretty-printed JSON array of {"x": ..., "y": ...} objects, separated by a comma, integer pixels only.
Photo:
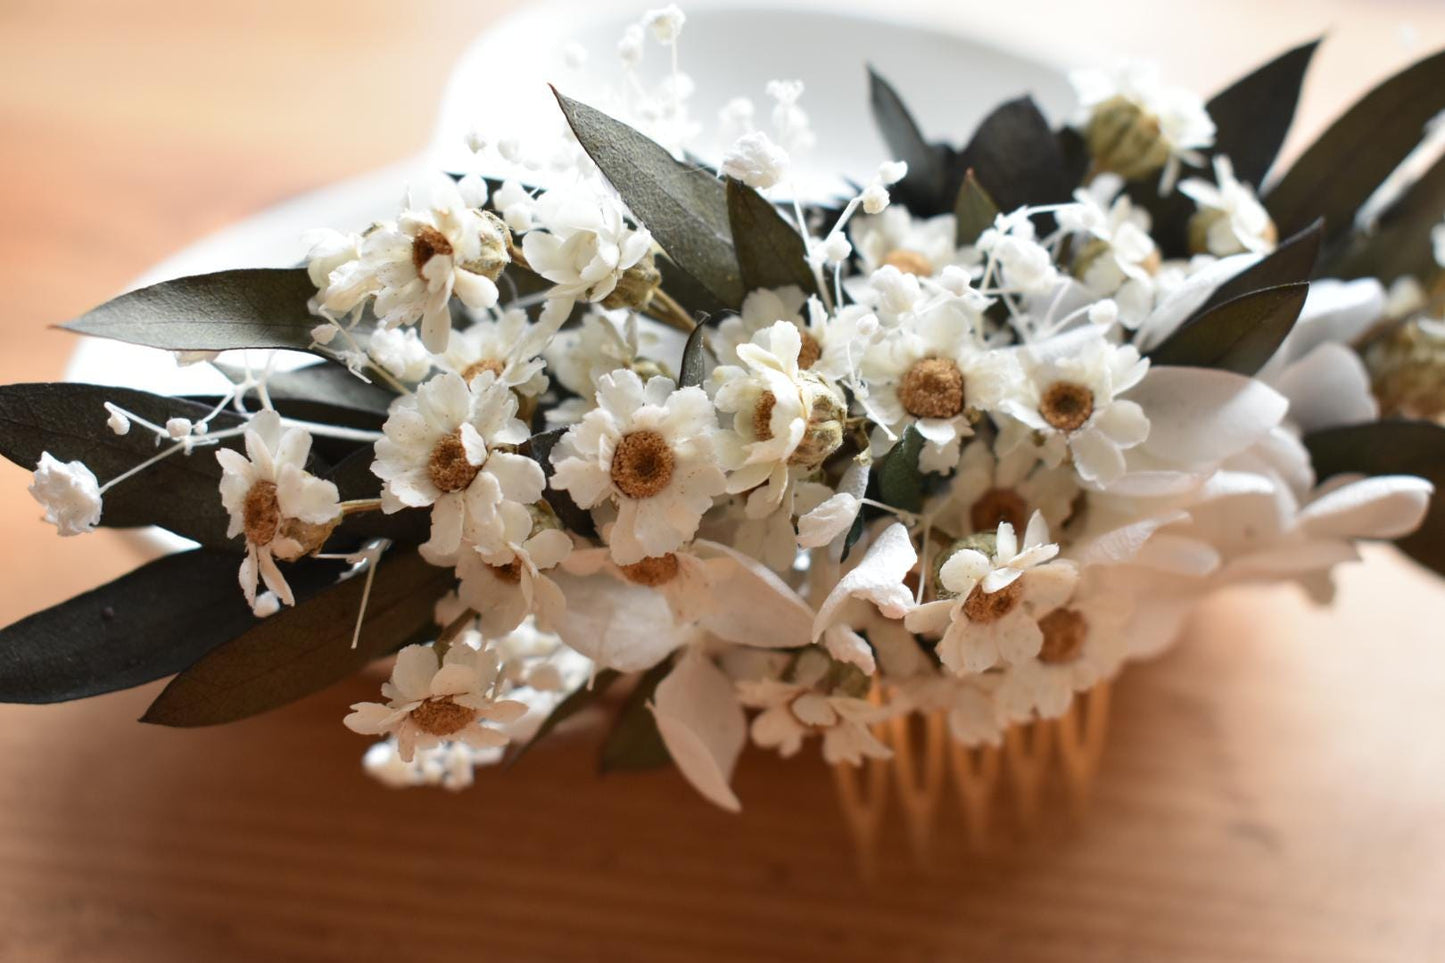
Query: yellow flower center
[
  {"x": 427, "y": 244},
  {"x": 448, "y": 467},
  {"x": 1066, "y": 405},
  {"x": 910, "y": 262},
  {"x": 652, "y": 571},
  {"x": 998, "y": 505},
  {"x": 932, "y": 388},
  {"x": 442, "y": 717},
  {"x": 1064, "y": 633},
  {"x": 261, "y": 513},
  {"x": 981, "y": 606}
]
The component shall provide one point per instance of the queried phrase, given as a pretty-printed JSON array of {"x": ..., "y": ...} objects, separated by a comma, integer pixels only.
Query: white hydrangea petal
[{"x": 703, "y": 726}]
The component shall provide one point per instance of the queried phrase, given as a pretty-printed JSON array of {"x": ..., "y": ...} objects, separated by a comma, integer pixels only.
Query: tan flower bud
[
  {"x": 496, "y": 241},
  {"x": 1407, "y": 370},
  {"x": 1125, "y": 139},
  {"x": 636, "y": 286}
]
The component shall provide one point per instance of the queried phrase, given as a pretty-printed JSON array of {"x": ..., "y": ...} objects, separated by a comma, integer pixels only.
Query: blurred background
[{"x": 1290, "y": 814}]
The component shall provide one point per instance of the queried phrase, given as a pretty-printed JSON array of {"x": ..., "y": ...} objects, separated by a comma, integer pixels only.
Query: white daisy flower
[
  {"x": 1115, "y": 249},
  {"x": 993, "y": 605},
  {"x": 784, "y": 418},
  {"x": 440, "y": 450},
  {"x": 282, "y": 509},
  {"x": 1084, "y": 644},
  {"x": 990, "y": 488},
  {"x": 400, "y": 352},
  {"x": 932, "y": 374},
  {"x": 1230, "y": 220},
  {"x": 509, "y": 346},
  {"x": 760, "y": 309},
  {"x": 413, "y": 267},
  {"x": 810, "y": 703},
  {"x": 429, "y": 702},
  {"x": 69, "y": 493},
  {"x": 648, "y": 449},
  {"x": 1069, "y": 395},
  {"x": 585, "y": 245},
  {"x": 917, "y": 246},
  {"x": 507, "y": 586}
]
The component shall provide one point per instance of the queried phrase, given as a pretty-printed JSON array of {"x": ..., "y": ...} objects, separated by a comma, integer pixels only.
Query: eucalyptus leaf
[
  {"x": 246, "y": 308},
  {"x": 1253, "y": 115},
  {"x": 1401, "y": 241},
  {"x": 771, "y": 253},
  {"x": 1290, "y": 263},
  {"x": 690, "y": 371},
  {"x": 923, "y": 190},
  {"x": 900, "y": 482},
  {"x": 1392, "y": 448},
  {"x": 686, "y": 291},
  {"x": 304, "y": 649},
  {"x": 180, "y": 493},
  {"x": 578, "y": 700},
  {"x": 146, "y": 625},
  {"x": 574, "y": 517},
  {"x": 634, "y": 742},
  {"x": 1340, "y": 171},
  {"x": 685, "y": 208},
  {"x": 328, "y": 382},
  {"x": 1239, "y": 335},
  {"x": 354, "y": 480},
  {"x": 973, "y": 212},
  {"x": 1016, "y": 158}
]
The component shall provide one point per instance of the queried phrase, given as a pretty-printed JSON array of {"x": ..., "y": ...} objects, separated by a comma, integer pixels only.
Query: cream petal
[
  {"x": 1386, "y": 506},
  {"x": 702, "y": 725},
  {"x": 1199, "y": 417}
]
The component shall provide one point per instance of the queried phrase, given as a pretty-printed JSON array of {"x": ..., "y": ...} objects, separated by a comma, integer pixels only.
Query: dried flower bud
[
  {"x": 636, "y": 286},
  {"x": 824, "y": 434},
  {"x": 307, "y": 536},
  {"x": 1125, "y": 139},
  {"x": 1407, "y": 370},
  {"x": 496, "y": 241},
  {"x": 983, "y": 542}
]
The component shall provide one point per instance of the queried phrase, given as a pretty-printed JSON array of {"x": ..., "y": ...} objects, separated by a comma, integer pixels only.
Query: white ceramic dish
[{"x": 729, "y": 49}]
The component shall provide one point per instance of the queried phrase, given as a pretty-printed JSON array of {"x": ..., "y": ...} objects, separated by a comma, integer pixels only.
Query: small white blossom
[
  {"x": 69, "y": 493},
  {"x": 282, "y": 509},
  {"x": 431, "y": 701},
  {"x": 585, "y": 245},
  {"x": 665, "y": 23},
  {"x": 756, "y": 161},
  {"x": 1239, "y": 221}
]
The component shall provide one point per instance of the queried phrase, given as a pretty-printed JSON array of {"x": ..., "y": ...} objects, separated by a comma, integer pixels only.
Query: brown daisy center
[
  {"x": 909, "y": 262},
  {"x": 487, "y": 364},
  {"x": 981, "y": 606},
  {"x": 442, "y": 717},
  {"x": 998, "y": 505},
  {"x": 932, "y": 388},
  {"x": 642, "y": 464},
  {"x": 1064, "y": 633},
  {"x": 655, "y": 570},
  {"x": 261, "y": 513},
  {"x": 427, "y": 244},
  {"x": 1066, "y": 405},
  {"x": 810, "y": 352},
  {"x": 763, "y": 416},
  {"x": 448, "y": 466}
]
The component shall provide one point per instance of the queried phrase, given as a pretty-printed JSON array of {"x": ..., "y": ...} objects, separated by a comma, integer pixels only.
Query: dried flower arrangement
[{"x": 961, "y": 443}]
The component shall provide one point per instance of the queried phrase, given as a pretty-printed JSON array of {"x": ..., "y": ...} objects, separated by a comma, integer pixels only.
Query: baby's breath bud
[
  {"x": 1407, "y": 370},
  {"x": 1126, "y": 139},
  {"x": 636, "y": 286}
]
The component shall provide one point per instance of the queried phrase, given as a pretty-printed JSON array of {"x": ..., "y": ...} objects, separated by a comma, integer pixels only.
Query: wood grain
[{"x": 1273, "y": 790}]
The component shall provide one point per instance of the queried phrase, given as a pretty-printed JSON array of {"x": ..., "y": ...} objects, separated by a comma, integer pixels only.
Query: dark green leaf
[
  {"x": 1290, "y": 263},
  {"x": 1016, "y": 158},
  {"x": 148, "y": 624},
  {"x": 1239, "y": 335},
  {"x": 685, "y": 209},
  {"x": 900, "y": 482},
  {"x": 973, "y": 212},
  {"x": 923, "y": 189},
  {"x": 301, "y": 650},
  {"x": 771, "y": 253},
  {"x": 248, "y": 308},
  {"x": 1343, "y": 168},
  {"x": 179, "y": 493},
  {"x": 1392, "y": 448},
  {"x": 1400, "y": 243},
  {"x": 1253, "y": 115},
  {"x": 854, "y": 533},
  {"x": 580, "y": 699},
  {"x": 575, "y": 518},
  {"x": 634, "y": 742},
  {"x": 686, "y": 291},
  {"x": 355, "y": 480},
  {"x": 690, "y": 372}
]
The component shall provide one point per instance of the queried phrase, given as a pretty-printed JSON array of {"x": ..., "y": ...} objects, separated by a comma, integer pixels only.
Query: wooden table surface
[{"x": 1274, "y": 789}]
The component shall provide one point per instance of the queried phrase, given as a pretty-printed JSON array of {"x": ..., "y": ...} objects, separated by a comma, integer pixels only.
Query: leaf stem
[{"x": 671, "y": 314}]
